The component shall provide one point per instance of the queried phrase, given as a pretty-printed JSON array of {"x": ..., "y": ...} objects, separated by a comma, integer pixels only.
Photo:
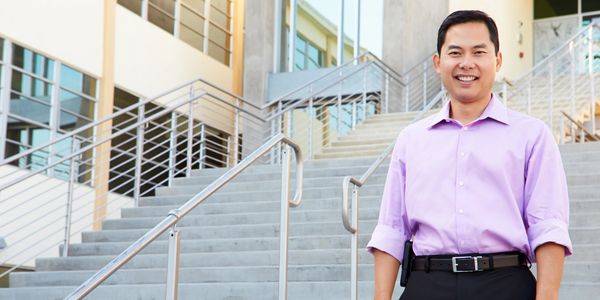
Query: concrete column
[
  {"x": 407, "y": 38},
  {"x": 105, "y": 108}
]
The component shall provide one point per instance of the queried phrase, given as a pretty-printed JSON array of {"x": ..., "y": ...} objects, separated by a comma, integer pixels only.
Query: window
[
  {"x": 44, "y": 105},
  {"x": 307, "y": 56},
  {"x": 590, "y": 5},
  {"x": 554, "y": 8},
  {"x": 203, "y": 24},
  {"x": 133, "y": 5}
]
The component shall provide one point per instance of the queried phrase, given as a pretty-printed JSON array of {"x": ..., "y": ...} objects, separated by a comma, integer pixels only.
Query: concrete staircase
[{"x": 230, "y": 243}]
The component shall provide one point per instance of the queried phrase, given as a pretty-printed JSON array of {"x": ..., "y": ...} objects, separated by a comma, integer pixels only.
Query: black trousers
[{"x": 512, "y": 283}]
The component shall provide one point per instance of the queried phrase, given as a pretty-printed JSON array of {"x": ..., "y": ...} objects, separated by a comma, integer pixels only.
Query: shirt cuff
[
  {"x": 388, "y": 240},
  {"x": 550, "y": 230}
]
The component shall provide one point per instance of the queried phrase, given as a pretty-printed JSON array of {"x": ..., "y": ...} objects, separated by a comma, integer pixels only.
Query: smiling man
[{"x": 479, "y": 189}]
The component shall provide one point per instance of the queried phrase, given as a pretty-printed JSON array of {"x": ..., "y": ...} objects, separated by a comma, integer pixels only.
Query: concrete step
[
  {"x": 296, "y": 215},
  {"x": 297, "y": 290},
  {"x": 207, "y": 259},
  {"x": 356, "y": 148},
  {"x": 236, "y": 231},
  {"x": 340, "y": 241}
]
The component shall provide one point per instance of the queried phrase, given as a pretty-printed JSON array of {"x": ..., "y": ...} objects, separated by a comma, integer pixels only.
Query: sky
[{"x": 371, "y": 20}]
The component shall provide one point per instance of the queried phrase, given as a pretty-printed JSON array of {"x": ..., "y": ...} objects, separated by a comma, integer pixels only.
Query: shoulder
[{"x": 527, "y": 125}]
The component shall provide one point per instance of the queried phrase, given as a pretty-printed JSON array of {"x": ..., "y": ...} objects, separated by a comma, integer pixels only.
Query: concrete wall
[
  {"x": 410, "y": 30},
  {"x": 32, "y": 215},
  {"x": 259, "y": 49},
  {"x": 514, "y": 19}
]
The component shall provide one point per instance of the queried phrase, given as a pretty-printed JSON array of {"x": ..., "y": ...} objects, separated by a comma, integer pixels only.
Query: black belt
[{"x": 469, "y": 263}]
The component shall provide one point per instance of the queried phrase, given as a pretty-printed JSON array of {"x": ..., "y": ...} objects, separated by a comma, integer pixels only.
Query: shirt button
[
  {"x": 462, "y": 242},
  {"x": 461, "y": 183},
  {"x": 462, "y": 154},
  {"x": 460, "y": 211},
  {"x": 465, "y": 128}
]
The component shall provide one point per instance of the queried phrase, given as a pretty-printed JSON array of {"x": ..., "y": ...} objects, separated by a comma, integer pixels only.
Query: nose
[{"x": 467, "y": 63}]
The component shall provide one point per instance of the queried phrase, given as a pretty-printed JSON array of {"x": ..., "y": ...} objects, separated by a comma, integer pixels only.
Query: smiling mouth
[{"x": 466, "y": 78}]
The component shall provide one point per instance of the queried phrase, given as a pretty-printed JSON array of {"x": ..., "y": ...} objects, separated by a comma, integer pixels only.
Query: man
[{"x": 478, "y": 188}]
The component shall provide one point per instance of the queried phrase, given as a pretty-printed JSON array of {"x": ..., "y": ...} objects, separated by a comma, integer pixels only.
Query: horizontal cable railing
[
  {"x": 170, "y": 222},
  {"x": 567, "y": 80}
]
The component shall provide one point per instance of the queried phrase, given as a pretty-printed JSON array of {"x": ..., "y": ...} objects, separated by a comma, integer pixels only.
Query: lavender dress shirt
[{"x": 494, "y": 185}]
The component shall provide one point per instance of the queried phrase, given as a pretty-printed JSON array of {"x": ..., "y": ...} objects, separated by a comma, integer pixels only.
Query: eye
[
  {"x": 480, "y": 52},
  {"x": 453, "y": 53}
]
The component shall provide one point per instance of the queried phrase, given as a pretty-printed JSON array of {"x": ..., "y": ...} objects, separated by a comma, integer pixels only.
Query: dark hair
[{"x": 467, "y": 16}]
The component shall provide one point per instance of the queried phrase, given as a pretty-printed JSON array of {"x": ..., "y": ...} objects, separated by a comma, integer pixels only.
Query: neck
[{"x": 467, "y": 112}]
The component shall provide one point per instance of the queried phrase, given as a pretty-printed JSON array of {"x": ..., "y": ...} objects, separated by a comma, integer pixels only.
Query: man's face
[{"x": 467, "y": 63}]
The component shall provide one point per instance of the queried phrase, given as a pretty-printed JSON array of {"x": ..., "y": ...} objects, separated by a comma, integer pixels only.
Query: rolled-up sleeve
[
  {"x": 546, "y": 196},
  {"x": 392, "y": 228}
]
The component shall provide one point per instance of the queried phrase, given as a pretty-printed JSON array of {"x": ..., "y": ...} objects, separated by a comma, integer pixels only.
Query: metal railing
[
  {"x": 92, "y": 172},
  {"x": 332, "y": 105},
  {"x": 576, "y": 131},
  {"x": 566, "y": 80},
  {"x": 175, "y": 215},
  {"x": 352, "y": 226}
]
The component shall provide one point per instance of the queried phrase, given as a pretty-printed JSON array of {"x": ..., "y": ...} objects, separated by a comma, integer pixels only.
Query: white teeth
[{"x": 466, "y": 78}]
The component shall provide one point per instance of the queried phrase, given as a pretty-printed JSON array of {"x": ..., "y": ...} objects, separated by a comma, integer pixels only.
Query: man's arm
[
  {"x": 550, "y": 261},
  {"x": 386, "y": 271}
]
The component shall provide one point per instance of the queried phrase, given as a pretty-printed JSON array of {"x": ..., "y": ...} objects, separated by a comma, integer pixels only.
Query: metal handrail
[
  {"x": 352, "y": 227},
  {"x": 585, "y": 134},
  {"x": 175, "y": 215}
]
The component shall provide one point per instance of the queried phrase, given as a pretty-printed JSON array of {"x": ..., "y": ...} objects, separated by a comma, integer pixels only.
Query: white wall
[
  {"x": 32, "y": 215},
  {"x": 508, "y": 15}
]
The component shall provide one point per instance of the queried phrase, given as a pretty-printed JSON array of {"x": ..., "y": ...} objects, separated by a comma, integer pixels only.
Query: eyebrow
[{"x": 479, "y": 46}]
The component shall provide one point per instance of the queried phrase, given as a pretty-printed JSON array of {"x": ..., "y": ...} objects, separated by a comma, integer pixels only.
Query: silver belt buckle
[{"x": 475, "y": 264}]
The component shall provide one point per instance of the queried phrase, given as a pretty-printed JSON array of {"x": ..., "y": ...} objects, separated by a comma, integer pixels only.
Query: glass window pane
[
  {"x": 30, "y": 86},
  {"x": 30, "y": 109},
  {"x": 133, "y": 5},
  {"x": 222, "y": 5},
  {"x": 314, "y": 56},
  {"x": 1, "y": 49},
  {"x": 218, "y": 53},
  {"x": 70, "y": 121},
  {"x": 197, "y": 5},
  {"x": 76, "y": 103},
  {"x": 590, "y": 5},
  {"x": 219, "y": 37},
  {"x": 220, "y": 18},
  {"x": 77, "y": 81},
  {"x": 300, "y": 44},
  {"x": 160, "y": 13},
  {"x": 553, "y": 8},
  {"x": 22, "y": 136},
  {"x": 32, "y": 62},
  {"x": 191, "y": 30}
]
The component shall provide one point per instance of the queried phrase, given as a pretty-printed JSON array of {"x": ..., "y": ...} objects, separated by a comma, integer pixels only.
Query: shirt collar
[{"x": 494, "y": 110}]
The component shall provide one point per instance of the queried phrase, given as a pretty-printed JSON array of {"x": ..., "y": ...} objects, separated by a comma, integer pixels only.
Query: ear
[
  {"x": 498, "y": 61},
  {"x": 436, "y": 62}
]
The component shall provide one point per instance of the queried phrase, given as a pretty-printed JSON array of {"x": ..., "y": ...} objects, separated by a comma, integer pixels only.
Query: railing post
[
  {"x": 339, "y": 105},
  {"x": 407, "y": 93},
  {"x": 424, "y": 85},
  {"x": 505, "y": 93},
  {"x": 173, "y": 264},
  {"x": 572, "y": 83},
  {"x": 364, "y": 94},
  {"x": 279, "y": 128},
  {"x": 561, "y": 137},
  {"x": 236, "y": 131},
  {"x": 529, "y": 97},
  {"x": 386, "y": 96},
  {"x": 283, "y": 231},
  {"x": 551, "y": 98},
  {"x": 592, "y": 81},
  {"x": 190, "y": 134},
  {"x": 139, "y": 153},
  {"x": 354, "y": 249},
  {"x": 202, "y": 145},
  {"x": 172, "y": 147},
  {"x": 70, "y": 187},
  {"x": 353, "y": 117},
  {"x": 311, "y": 116}
]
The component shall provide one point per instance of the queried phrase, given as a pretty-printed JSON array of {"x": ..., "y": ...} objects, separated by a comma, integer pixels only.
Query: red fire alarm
[{"x": 521, "y": 54}]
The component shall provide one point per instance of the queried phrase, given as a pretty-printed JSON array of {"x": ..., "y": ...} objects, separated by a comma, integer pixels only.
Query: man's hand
[
  {"x": 386, "y": 271},
  {"x": 550, "y": 262}
]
